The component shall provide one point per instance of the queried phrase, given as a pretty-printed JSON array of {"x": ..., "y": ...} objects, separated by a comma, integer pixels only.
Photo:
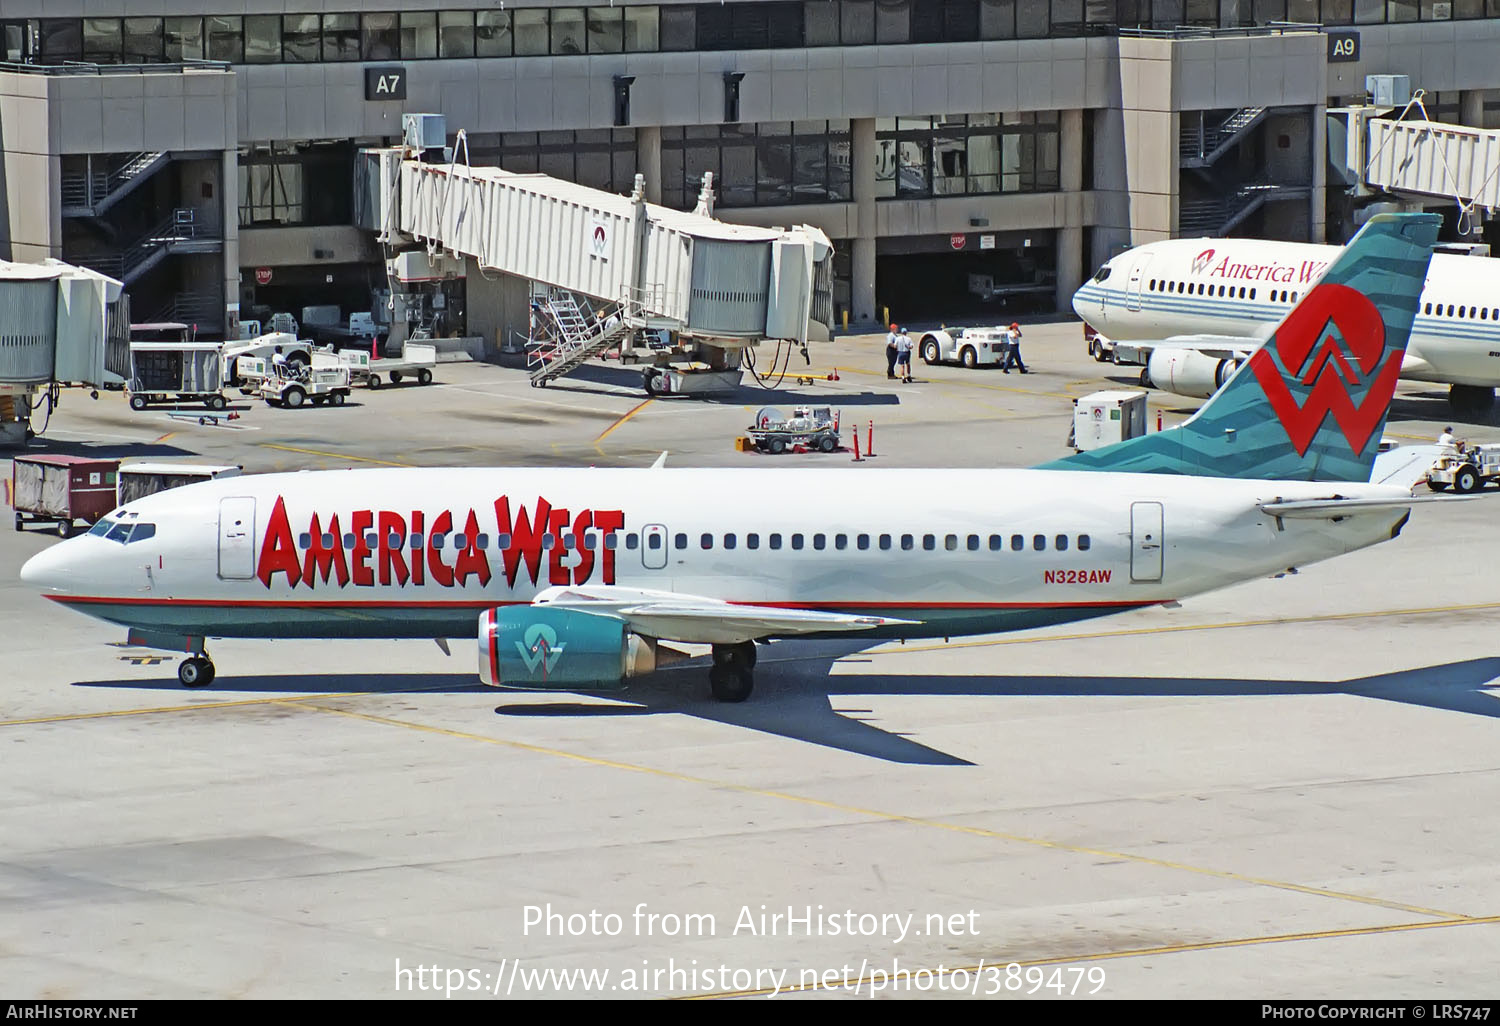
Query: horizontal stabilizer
[{"x": 1337, "y": 509}]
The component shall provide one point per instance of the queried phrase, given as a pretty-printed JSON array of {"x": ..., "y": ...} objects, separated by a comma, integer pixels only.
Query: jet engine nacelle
[
  {"x": 1185, "y": 372},
  {"x": 554, "y": 647}
]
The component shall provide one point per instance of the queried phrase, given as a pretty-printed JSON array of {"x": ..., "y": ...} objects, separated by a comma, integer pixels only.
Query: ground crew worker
[
  {"x": 903, "y": 357},
  {"x": 890, "y": 352}
]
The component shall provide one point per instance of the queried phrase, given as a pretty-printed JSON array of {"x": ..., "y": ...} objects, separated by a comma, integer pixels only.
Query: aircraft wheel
[
  {"x": 195, "y": 672},
  {"x": 138, "y": 403},
  {"x": 424, "y": 376},
  {"x": 731, "y": 683},
  {"x": 1465, "y": 480}
]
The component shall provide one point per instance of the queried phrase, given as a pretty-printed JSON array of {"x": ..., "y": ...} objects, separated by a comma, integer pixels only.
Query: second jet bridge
[{"x": 723, "y": 284}]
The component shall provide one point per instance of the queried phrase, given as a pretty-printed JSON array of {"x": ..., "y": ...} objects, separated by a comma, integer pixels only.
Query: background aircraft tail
[{"x": 1309, "y": 404}]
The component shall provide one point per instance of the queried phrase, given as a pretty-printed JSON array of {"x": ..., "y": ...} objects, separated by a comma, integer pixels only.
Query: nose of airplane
[{"x": 47, "y": 570}]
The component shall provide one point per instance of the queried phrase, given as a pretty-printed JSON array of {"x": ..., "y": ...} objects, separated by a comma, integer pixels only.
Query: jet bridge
[
  {"x": 1415, "y": 157},
  {"x": 711, "y": 283}
]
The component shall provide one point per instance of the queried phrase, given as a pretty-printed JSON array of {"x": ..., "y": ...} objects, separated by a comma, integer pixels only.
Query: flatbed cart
[
  {"x": 416, "y": 361},
  {"x": 812, "y": 427},
  {"x": 1467, "y": 470}
]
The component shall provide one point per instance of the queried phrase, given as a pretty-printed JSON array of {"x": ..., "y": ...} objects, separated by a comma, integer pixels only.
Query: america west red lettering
[
  {"x": 1279, "y": 274},
  {"x": 393, "y": 562},
  {"x": 1307, "y": 345}
]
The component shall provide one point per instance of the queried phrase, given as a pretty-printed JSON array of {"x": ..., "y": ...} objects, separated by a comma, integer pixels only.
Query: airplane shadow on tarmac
[{"x": 797, "y": 697}]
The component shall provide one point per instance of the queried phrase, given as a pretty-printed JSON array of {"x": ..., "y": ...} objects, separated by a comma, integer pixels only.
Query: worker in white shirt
[
  {"x": 903, "y": 356},
  {"x": 1446, "y": 438}
]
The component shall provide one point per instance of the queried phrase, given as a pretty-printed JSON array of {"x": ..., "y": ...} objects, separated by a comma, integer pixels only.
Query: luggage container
[
  {"x": 137, "y": 480},
  {"x": 163, "y": 372},
  {"x": 62, "y": 490}
]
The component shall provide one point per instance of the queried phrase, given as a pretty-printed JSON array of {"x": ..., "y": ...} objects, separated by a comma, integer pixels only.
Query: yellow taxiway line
[
  {"x": 335, "y": 455},
  {"x": 607, "y": 431}
]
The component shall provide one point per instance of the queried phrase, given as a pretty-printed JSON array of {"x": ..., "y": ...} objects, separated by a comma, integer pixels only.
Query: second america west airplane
[
  {"x": 573, "y": 579},
  {"x": 1197, "y": 308}
]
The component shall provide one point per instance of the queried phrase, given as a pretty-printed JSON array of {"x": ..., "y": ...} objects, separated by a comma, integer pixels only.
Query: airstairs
[{"x": 564, "y": 338}]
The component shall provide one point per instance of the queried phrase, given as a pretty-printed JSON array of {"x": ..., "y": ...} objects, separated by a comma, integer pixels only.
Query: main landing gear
[
  {"x": 732, "y": 677},
  {"x": 196, "y": 672}
]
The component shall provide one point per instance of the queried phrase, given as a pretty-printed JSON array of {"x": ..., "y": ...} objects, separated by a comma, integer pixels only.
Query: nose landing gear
[{"x": 196, "y": 672}]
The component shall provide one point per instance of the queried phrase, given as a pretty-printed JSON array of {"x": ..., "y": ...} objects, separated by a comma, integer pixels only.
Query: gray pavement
[{"x": 1278, "y": 790}]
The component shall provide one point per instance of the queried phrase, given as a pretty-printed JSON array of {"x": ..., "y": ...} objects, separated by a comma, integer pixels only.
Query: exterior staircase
[
  {"x": 1203, "y": 143},
  {"x": 569, "y": 339},
  {"x": 99, "y": 186},
  {"x": 1218, "y": 216},
  {"x": 177, "y": 232}
]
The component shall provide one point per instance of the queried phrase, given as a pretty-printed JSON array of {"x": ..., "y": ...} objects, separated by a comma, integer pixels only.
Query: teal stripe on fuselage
[
  {"x": 1425, "y": 324},
  {"x": 415, "y": 622}
]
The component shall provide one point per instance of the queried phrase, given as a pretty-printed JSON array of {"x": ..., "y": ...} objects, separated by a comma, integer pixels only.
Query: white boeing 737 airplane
[
  {"x": 573, "y": 579},
  {"x": 1201, "y": 306}
]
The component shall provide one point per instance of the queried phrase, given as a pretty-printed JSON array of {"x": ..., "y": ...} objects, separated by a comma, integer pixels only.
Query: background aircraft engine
[
  {"x": 1184, "y": 372},
  {"x": 554, "y": 647}
]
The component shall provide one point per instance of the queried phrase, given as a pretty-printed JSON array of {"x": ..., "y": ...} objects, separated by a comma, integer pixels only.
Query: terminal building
[{"x": 961, "y": 154}]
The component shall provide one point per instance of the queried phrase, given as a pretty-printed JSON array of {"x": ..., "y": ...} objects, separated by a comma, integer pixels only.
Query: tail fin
[{"x": 1309, "y": 404}]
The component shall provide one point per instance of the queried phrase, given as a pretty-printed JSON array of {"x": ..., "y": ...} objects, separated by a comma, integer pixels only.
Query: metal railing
[
  {"x": 137, "y": 257},
  {"x": 93, "y": 189},
  {"x": 91, "y": 68},
  {"x": 1271, "y": 28}
]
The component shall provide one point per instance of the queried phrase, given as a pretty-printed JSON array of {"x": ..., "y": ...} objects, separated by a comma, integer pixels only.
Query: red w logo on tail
[{"x": 1308, "y": 345}]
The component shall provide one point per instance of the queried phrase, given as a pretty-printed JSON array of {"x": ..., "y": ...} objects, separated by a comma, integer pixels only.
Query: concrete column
[
  {"x": 229, "y": 190},
  {"x": 648, "y": 160},
  {"x": 862, "y": 283},
  {"x": 1070, "y": 234},
  {"x": 1471, "y": 108},
  {"x": 1317, "y": 228}
]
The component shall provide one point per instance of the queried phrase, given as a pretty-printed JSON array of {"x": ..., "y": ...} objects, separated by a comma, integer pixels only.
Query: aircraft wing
[
  {"x": 673, "y": 616},
  {"x": 1219, "y": 347}
]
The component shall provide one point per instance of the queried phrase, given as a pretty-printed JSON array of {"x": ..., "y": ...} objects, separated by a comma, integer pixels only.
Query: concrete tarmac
[{"x": 1279, "y": 790}]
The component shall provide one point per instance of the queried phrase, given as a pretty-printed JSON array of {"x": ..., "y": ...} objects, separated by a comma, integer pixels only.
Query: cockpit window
[
  {"x": 1102, "y": 273},
  {"x": 124, "y": 531}
]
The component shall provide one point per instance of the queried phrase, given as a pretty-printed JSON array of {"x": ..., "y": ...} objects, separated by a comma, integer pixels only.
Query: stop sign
[
  {"x": 262, "y": 276},
  {"x": 957, "y": 241}
]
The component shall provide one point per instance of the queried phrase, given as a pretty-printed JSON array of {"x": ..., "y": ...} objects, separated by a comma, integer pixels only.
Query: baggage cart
[
  {"x": 62, "y": 490},
  {"x": 162, "y": 372}
]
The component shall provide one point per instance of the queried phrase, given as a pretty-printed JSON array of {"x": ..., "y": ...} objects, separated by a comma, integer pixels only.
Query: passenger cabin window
[
  {"x": 796, "y": 541},
  {"x": 752, "y": 541},
  {"x": 680, "y": 542},
  {"x": 706, "y": 541},
  {"x": 973, "y": 543},
  {"x": 729, "y": 541},
  {"x": 1060, "y": 543},
  {"x": 820, "y": 541},
  {"x": 1083, "y": 543},
  {"x": 775, "y": 541},
  {"x": 885, "y": 542},
  {"x": 653, "y": 541},
  {"x": 950, "y": 542},
  {"x": 929, "y": 542},
  {"x": 632, "y": 541},
  {"x": 908, "y": 543},
  {"x": 841, "y": 541},
  {"x": 1017, "y": 543},
  {"x": 1039, "y": 542},
  {"x": 862, "y": 542},
  {"x": 997, "y": 542}
]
